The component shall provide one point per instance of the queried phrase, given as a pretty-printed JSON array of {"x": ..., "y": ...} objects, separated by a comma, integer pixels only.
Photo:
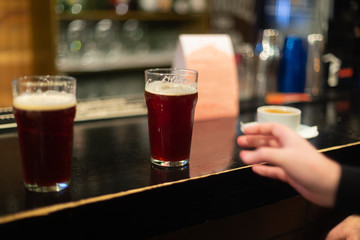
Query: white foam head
[
  {"x": 49, "y": 100},
  {"x": 170, "y": 88}
]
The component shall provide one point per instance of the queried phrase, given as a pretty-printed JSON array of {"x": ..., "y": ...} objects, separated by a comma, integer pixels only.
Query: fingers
[
  {"x": 269, "y": 135},
  {"x": 347, "y": 229},
  {"x": 264, "y": 128},
  {"x": 252, "y": 141},
  {"x": 265, "y": 154},
  {"x": 270, "y": 172},
  {"x": 278, "y": 131}
]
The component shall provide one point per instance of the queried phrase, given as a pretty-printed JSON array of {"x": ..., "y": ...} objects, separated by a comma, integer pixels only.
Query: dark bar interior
[{"x": 115, "y": 190}]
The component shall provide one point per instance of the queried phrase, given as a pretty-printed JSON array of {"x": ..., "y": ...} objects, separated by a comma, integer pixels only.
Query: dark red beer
[
  {"x": 170, "y": 120},
  {"x": 46, "y": 142}
]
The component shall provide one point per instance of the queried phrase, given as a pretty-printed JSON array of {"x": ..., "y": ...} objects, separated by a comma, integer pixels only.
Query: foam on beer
[
  {"x": 170, "y": 88},
  {"x": 49, "y": 100}
]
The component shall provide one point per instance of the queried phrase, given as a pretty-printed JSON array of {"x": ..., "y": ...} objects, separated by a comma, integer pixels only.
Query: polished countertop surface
[{"x": 112, "y": 175}]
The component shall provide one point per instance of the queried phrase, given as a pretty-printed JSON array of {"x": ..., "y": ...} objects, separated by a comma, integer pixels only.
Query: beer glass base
[
  {"x": 169, "y": 163},
  {"x": 52, "y": 188}
]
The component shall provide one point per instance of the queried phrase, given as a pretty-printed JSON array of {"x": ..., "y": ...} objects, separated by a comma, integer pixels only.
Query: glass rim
[
  {"x": 169, "y": 71},
  {"x": 44, "y": 81},
  {"x": 292, "y": 110},
  {"x": 45, "y": 77}
]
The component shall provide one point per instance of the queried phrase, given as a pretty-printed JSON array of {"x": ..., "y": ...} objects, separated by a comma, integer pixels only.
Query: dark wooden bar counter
[{"x": 116, "y": 192}]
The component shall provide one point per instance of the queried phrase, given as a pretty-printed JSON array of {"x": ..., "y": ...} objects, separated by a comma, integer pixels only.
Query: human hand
[
  {"x": 292, "y": 159},
  {"x": 347, "y": 229}
]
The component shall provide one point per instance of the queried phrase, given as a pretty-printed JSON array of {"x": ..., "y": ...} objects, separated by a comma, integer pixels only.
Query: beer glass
[
  {"x": 171, "y": 96},
  {"x": 44, "y": 109}
]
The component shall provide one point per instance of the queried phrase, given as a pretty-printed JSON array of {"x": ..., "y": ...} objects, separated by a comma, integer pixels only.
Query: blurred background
[{"x": 107, "y": 44}]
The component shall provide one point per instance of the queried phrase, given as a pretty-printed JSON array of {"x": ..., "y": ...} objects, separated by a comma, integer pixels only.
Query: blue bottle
[{"x": 292, "y": 71}]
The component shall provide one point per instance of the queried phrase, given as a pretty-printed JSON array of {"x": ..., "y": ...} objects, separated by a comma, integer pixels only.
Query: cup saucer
[{"x": 304, "y": 131}]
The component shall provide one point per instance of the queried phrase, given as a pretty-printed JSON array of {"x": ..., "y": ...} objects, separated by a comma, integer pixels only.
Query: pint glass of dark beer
[
  {"x": 44, "y": 109},
  {"x": 171, "y": 96}
]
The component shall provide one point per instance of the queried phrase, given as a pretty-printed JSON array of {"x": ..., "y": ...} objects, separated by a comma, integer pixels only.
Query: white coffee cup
[{"x": 285, "y": 115}]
